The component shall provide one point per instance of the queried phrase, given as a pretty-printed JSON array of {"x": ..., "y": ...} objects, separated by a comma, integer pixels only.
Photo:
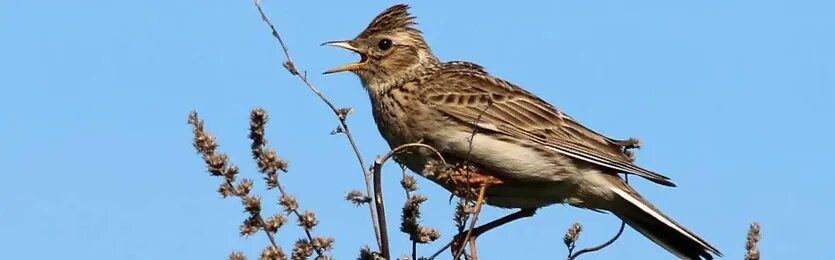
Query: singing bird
[{"x": 540, "y": 155}]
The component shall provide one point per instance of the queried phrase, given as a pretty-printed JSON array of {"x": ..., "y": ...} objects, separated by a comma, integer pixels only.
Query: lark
[{"x": 531, "y": 154}]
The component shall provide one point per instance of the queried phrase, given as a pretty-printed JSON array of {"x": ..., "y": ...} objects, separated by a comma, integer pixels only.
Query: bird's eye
[{"x": 384, "y": 44}]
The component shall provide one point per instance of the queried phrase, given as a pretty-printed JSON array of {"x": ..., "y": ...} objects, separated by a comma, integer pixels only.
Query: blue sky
[{"x": 732, "y": 99}]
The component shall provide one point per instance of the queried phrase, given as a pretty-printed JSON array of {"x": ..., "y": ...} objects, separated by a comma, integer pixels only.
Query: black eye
[{"x": 384, "y": 44}]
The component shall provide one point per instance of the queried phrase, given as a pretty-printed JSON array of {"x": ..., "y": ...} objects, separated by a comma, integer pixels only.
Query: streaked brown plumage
[{"x": 541, "y": 155}]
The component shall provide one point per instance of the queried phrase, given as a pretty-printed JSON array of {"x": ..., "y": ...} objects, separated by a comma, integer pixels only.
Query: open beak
[{"x": 349, "y": 67}]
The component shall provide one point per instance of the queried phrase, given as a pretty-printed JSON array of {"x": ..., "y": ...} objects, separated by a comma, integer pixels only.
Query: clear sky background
[{"x": 732, "y": 99}]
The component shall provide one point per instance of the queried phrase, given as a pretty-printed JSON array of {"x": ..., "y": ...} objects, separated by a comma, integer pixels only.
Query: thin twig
[
  {"x": 605, "y": 244},
  {"x": 408, "y": 197},
  {"x": 377, "y": 169},
  {"x": 341, "y": 114},
  {"x": 601, "y": 246},
  {"x": 257, "y": 217},
  {"x": 476, "y": 212},
  {"x": 299, "y": 217}
]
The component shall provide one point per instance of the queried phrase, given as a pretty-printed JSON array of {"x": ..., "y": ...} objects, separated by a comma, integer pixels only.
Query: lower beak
[{"x": 349, "y": 67}]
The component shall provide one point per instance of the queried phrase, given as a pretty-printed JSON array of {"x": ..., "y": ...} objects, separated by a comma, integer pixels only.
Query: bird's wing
[{"x": 465, "y": 92}]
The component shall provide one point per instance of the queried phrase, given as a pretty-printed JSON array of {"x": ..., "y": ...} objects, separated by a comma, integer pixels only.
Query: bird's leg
[{"x": 469, "y": 238}]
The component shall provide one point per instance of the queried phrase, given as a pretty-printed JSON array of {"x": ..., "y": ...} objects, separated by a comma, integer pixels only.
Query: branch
[
  {"x": 573, "y": 235},
  {"x": 377, "y": 169},
  {"x": 599, "y": 247},
  {"x": 341, "y": 114}
]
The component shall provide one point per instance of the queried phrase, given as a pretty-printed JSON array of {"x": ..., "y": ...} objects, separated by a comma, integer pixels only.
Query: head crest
[{"x": 392, "y": 19}]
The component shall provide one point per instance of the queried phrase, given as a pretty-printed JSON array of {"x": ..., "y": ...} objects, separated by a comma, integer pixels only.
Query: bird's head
[{"x": 390, "y": 48}]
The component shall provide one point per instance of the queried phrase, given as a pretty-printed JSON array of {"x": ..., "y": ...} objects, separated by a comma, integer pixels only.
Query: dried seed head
[
  {"x": 257, "y": 120},
  {"x": 367, "y": 254},
  {"x": 269, "y": 162},
  {"x": 252, "y": 204},
  {"x": 307, "y": 220},
  {"x": 244, "y": 187},
  {"x": 204, "y": 143},
  {"x": 288, "y": 202},
  {"x": 357, "y": 198},
  {"x": 229, "y": 172},
  {"x": 438, "y": 170},
  {"x": 215, "y": 163},
  {"x": 271, "y": 180},
  {"x": 462, "y": 214},
  {"x": 302, "y": 250},
  {"x": 225, "y": 190},
  {"x": 410, "y": 215},
  {"x": 322, "y": 243},
  {"x": 249, "y": 227},
  {"x": 409, "y": 183},
  {"x": 275, "y": 222},
  {"x": 751, "y": 250},
  {"x": 427, "y": 234},
  {"x": 572, "y": 235},
  {"x": 272, "y": 253},
  {"x": 237, "y": 255}
]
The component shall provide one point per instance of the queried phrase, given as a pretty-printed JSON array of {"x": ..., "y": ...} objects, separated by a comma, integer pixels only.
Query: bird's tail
[{"x": 638, "y": 213}]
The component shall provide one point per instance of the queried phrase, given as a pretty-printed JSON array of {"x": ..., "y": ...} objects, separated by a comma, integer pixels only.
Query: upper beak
[{"x": 349, "y": 67}]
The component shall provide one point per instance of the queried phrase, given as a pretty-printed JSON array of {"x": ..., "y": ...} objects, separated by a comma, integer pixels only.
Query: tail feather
[{"x": 649, "y": 221}]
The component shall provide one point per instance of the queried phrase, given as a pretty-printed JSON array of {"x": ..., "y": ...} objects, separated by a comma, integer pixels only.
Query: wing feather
[{"x": 487, "y": 103}]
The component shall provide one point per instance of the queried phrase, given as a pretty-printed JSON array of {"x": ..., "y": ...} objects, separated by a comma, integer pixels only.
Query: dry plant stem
[
  {"x": 377, "y": 170},
  {"x": 381, "y": 210},
  {"x": 197, "y": 123},
  {"x": 291, "y": 66},
  {"x": 523, "y": 213},
  {"x": 479, "y": 201},
  {"x": 408, "y": 197},
  {"x": 605, "y": 244},
  {"x": 601, "y": 246},
  {"x": 258, "y": 217},
  {"x": 298, "y": 216}
]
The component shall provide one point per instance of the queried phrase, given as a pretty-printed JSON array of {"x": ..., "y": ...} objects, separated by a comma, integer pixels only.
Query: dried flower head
[
  {"x": 237, "y": 255},
  {"x": 462, "y": 214},
  {"x": 244, "y": 187},
  {"x": 269, "y": 162},
  {"x": 357, "y": 198},
  {"x": 288, "y": 202},
  {"x": 322, "y": 243},
  {"x": 225, "y": 189},
  {"x": 438, "y": 170},
  {"x": 302, "y": 250},
  {"x": 204, "y": 143},
  {"x": 409, "y": 183},
  {"x": 275, "y": 222},
  {"x": 271, "y": 180},
  {"x": 307, "y": 220},
  {"x": 427, "y": 234},
  {"x": 272, "y": 253},
  {"x": 409, "y": 222},
  {"x": 257, "y": 120},
  {"x": 252, "y": 204},
  {"x": 751, "y": 250},
  {"x": 572, "y": 235},
  {"x": 367, "y": 254},
  {"x": 410, "y": 215},
  {"x": 250, "y": 226},
  {"x": 229, "y": 172}
]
